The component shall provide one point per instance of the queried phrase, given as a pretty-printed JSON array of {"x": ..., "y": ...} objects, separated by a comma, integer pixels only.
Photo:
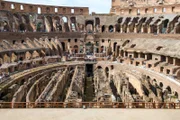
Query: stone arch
[
  {"x": 102, "y": 49},
  {"x": 125, "y": 24},
  {"x": 35, "y": 54},
  {"x": 49, "y": 24},
  {"x": 118, "y": 28},
  {"x": 42, "y": 53},
  {"x": 4, "y": 26},
  {"x": 118, "y": 25},
  {"x": 112, "y": 67},
  {"x": 63, "y": 46},
  {"x": 64, "y": 18},
  {"x": 73, "y": 23},
  {"x": 76, "y": 49},
  {"x": 39, "y": 27},
  {"x": 154, "y": 27},
  {"x": 25, "y": 19},
  {"x": 172, "y": 25},
  {"x": 103, "y": 28},
  {"x": 90, "y": 26},
  {"x": 57, "y": 24},
  {"x": 99, "y": 67},
  {"x": 107, "y": 72},
  {"x": 114, "y": 46},
  {"x": 59, "y": 49},
  {"x": 161, "y": 84},
  {"x": 22, "y": 27},
  {"x": 154, "y": 81},
  {"x": 176, "y": 94},
  {"x": 54, "y": 47},
  {"x": 148, "y": 77},
  {"x": 13, "y": 57},
  {"x": 169, "y": 89},
  {"x": 178, "y": 28},
  {"x": 111, "y": 28},
  {"x": 27, "y": 55},
  {"x": 6, "y": 58},
  {"x": 125, "y": 43},
  {"x": 164, "y": 26}
]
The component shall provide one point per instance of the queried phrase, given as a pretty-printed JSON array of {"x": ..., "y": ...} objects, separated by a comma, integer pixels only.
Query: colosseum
[{"x": 64, "y": 57}]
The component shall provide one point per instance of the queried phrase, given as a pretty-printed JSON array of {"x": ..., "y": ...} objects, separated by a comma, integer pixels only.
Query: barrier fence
[{"x": 126, "y": 105}]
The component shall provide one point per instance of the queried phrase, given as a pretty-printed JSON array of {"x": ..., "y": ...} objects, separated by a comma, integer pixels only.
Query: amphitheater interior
[{"x": 60, "y": 54}]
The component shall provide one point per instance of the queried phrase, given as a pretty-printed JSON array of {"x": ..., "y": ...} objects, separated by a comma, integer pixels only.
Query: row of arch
[
  {"x": 40, "y": 23},
  {"x": 163, "y": 87}
]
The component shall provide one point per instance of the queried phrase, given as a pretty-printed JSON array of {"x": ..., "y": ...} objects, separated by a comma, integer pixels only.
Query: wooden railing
[{"x": 126, "y": 105}]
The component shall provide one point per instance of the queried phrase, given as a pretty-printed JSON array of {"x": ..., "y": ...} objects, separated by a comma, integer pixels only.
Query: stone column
[
  {"x": 158, "y": 29},
  {"x": 121, "y": 29},
  {"x": 174, "y": 61},
  {"x": 94, "y": 29},
  {"x": 128, "y": 28},
  {"x": 149, "y": 29},
  {"x": 135, "y": 29},
  {"x": 142, "y": 29},
  {"x": 114, "y": 28},
  {"x": 94, "y": 49}
]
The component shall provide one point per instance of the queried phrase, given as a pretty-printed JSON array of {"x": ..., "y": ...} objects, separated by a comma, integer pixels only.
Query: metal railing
[{"x": 126, "y": 105}]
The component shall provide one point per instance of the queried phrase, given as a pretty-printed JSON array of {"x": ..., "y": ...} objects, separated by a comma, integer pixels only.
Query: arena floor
[{"x": 88, "y": 114}]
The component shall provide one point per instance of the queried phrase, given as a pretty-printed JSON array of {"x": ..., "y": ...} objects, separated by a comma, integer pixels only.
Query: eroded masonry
[{"x": 53, "y": 54}]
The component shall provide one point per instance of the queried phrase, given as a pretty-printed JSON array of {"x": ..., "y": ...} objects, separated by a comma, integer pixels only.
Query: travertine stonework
[{"x": 63, "y": 54}]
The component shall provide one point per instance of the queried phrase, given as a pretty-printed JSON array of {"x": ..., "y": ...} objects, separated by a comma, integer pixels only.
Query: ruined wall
[
  {"x": 136, "y": 7},
  {"x": 42, "y": 9}
]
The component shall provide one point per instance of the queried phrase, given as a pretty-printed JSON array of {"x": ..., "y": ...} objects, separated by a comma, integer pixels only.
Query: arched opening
[
  {"x": 75, "y": 49},
  {"x": 66, "y": 26},
  {"x": 154, "y": 80},
  {"x": 97, "y": 21},
  {"x": 22, "y": 27},
  {"x": 164, "y": 26},
  {"x": 176, "y": 94},
  {"x": 97, "y": 24},
  {"x": 122, "y": 53},
  {"x": 111, "y": 28},
  {"x": 63, "y": 46},
  {"x": 102, "y": 49},
  {"x": 125, "y": 24},
  {"x": 103, "y": 28},
  {"x": 4, "y": 26},
  {"x": 154, "y": 27},
  {"x": 148, "y": 78},
  {"x": 178, "y": 29},
  {"x": 118, "y": 25},
  {"x": 25, "y": 19},
  {"x": 21, "y": 59},
  {"x": 107, "y": 72},
  {"x": 125, "y": 43},
  {"x": 114, "y": 48},
  {"x": 58, "y": 26},
  {"x": 99, "y": 67},
  {"x": 64, "y": 19},
  {"x": 161, "y": 84},
  {"x": 118, "y": 28},
  {"x": 169, "y": 89},
  {"x": 89, "y": 26},
  {"x": 159, "y": 48},
  {"x": 73, "y": 24},
  {"x": 49, "y": 24},
  {"x": 112, "y": 67},
  {"x": 39, "y": 27}
]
